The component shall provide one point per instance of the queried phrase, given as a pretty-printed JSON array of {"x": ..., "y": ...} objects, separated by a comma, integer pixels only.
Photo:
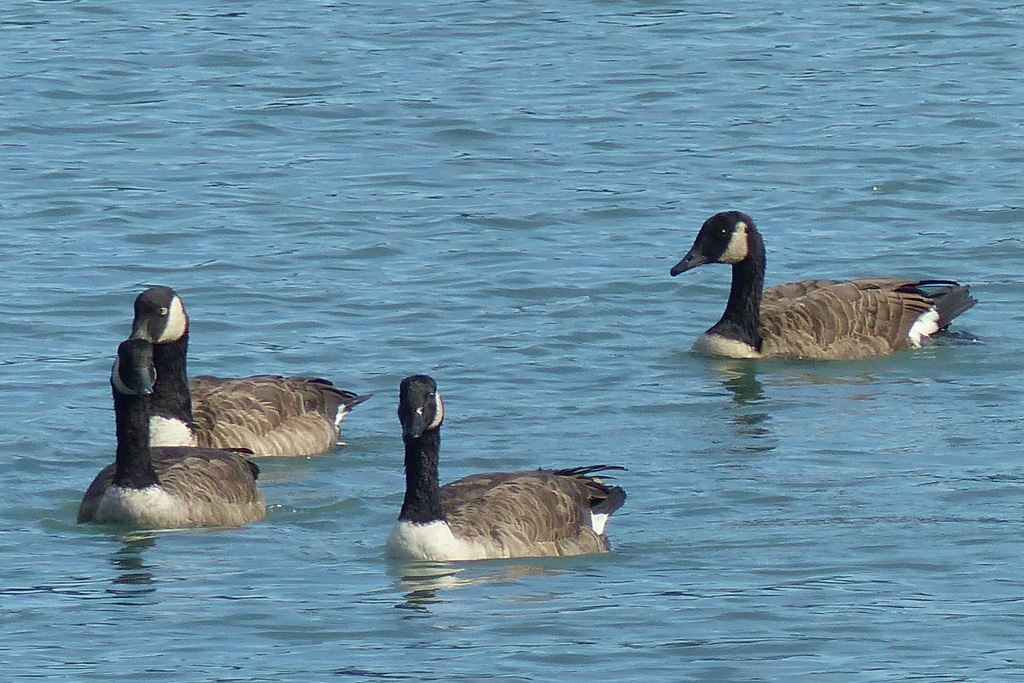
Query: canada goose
[
  {"x": 819, "y": 319},
  {"x": 495, "y": 515},
  {"x": 266, "y": 414},
  {"x": 164, "y": 487}
]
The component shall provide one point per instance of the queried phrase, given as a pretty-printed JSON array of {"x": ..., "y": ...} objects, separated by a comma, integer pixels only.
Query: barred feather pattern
[
  {"x": 864, "y": 318},
  {"x": 523, "y": 514},
  {"x": 269, "y": 415}
]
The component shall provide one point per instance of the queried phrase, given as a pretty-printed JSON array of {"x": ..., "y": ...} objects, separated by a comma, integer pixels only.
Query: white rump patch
[
  {"x": 433, "y": 541},
  {"x": 177, "y": 323},
  {"x": 738, "y": 247},
  {"x": 926, "y": 325},
  {"x": 166, "y": 431},
  {"x": 598, "y": 520},
  {"x": 717, "y": 345}
]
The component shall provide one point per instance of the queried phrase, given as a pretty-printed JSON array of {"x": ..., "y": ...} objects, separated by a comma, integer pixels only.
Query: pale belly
[{"x": 716, "y": 345}]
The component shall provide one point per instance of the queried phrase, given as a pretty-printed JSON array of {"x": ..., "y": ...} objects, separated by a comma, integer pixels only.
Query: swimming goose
[
  {"x": 818, "y": 319},
  {"x": 164, "y": 487},
  {"x": 496, "y": 515},
  {"x": 266, "y": 414}
]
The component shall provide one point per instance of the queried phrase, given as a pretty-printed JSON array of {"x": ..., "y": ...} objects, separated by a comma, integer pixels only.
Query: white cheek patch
[
  {"x": 177, "y": 323},
  {"x": 438, "y": 413},
  {"x": 738, "y": 248},
  {"x": 115, "y": 377}
]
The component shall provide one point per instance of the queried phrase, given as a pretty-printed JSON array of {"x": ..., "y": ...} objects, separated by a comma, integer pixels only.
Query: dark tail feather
[
  {"x": 604, "y": 499},
  {"x": 348, "y": 401},
  {"x": 951, "y": 298},
  {"x": 614, "y": 500},
  {"x": 353, "y": 399},
  {"x": 951, "y": 301},
  {"x": 586, "y": 470}
]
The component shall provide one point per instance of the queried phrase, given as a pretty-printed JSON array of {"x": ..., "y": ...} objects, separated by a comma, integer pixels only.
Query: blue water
[{"x": 493, "y": 193}]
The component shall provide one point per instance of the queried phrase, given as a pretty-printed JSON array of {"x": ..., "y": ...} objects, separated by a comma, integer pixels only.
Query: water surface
[{"x": 494, "y": 195}]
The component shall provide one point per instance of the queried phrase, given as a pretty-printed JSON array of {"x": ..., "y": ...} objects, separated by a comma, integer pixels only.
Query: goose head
[
  {"x": 160, "y": 316},
  {"x": 419, "y": 406},
  {"x": 133, "y": 373},
  {"x": 724, "y": 238}
]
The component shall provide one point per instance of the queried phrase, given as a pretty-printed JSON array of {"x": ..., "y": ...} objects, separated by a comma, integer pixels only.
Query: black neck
[
  {"x": 742, "y": 317},
  {"x": 422, "y": 495},
  {"x": 133, "y": 463},
  {"x": 171, "y": 397}
]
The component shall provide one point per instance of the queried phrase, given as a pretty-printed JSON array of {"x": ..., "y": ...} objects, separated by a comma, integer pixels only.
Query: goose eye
[{"x": 164, "y": 310}]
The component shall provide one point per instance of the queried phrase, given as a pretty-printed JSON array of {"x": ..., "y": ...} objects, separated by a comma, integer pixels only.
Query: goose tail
[
  {"x": 349, "y": 401},
  {"x": 951, "y": 298}
]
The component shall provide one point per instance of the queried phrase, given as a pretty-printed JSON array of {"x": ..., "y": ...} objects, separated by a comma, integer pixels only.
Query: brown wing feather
[
  {"x": 209, "y": 477},
  {"x": 525, "y": 513},
  {"x": 269, "y": 414},
  {"x": 840, "y": 320},
  {"x": 793, "y": 290}
]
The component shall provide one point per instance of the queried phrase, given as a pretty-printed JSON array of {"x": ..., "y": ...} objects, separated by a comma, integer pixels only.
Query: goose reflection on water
[
  {"x": 739, "y": 377},
  {"x": 421, "y": 582},
  {"x": 752, "y": 410},
  {"x": 133, "y": 578}
]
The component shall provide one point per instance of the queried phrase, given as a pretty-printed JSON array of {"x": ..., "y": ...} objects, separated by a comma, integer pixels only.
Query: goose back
[
  {"x": 270, "y": 414},
  {"x": 534, "y": 513},
  {"x": 844, "y": 320}
]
